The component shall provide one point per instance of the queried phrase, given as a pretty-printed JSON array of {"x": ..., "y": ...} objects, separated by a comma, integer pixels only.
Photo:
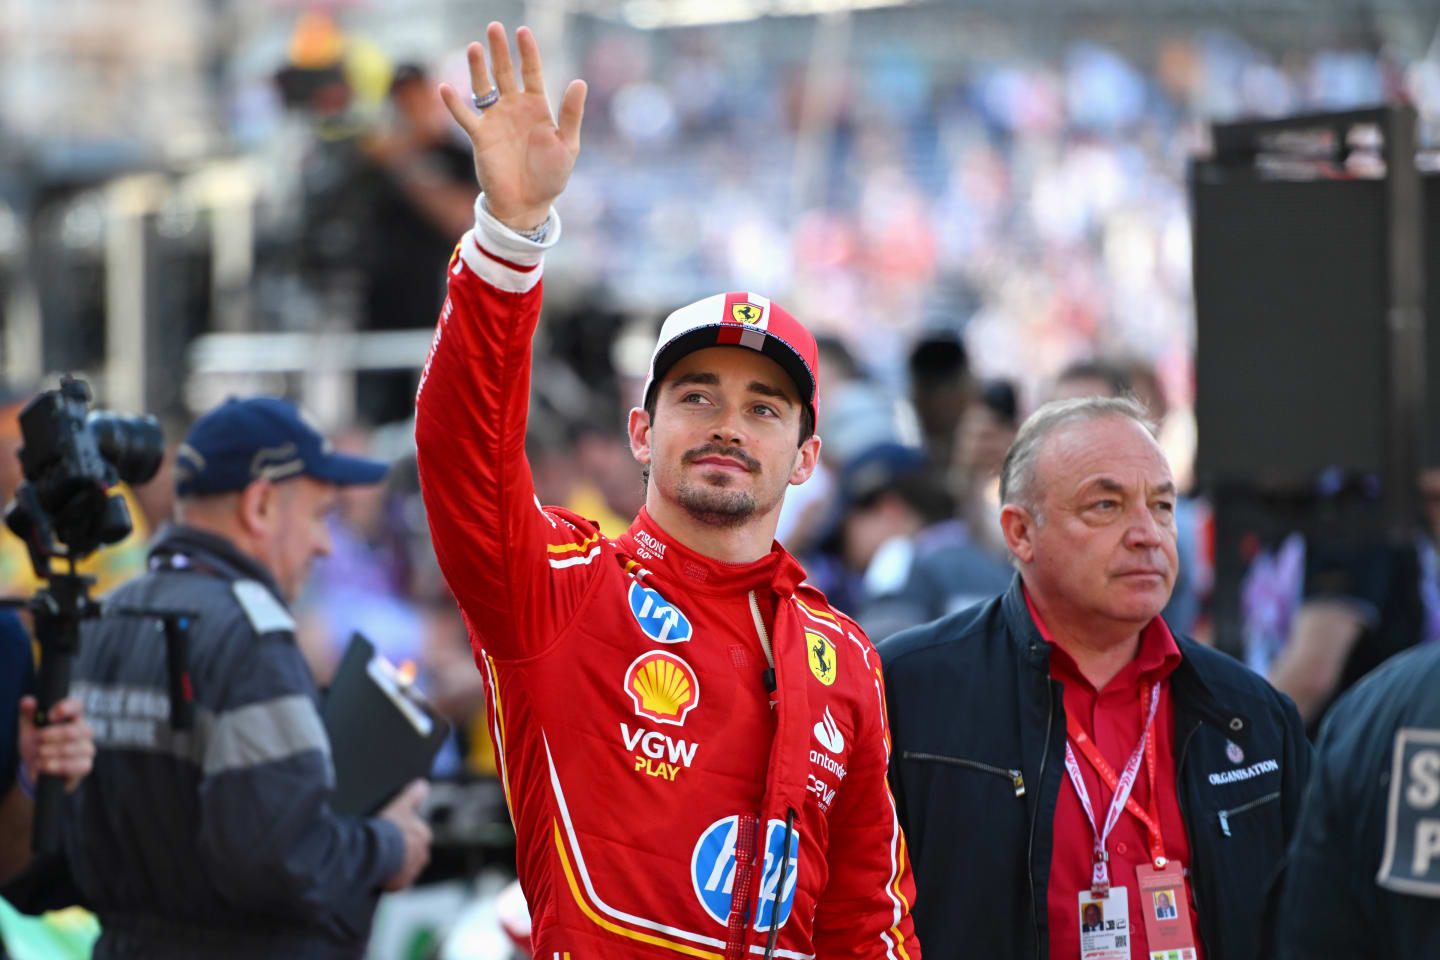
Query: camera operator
[
  {"x": 219, "y": 841},
  {"x": 65, "y": 747}
]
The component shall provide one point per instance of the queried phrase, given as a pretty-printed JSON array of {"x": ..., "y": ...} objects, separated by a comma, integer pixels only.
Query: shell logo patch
[
  {"x": 822, "y": 657},
  {"x": 746, "y": 313},
  {"x": 662, "y": 687}
]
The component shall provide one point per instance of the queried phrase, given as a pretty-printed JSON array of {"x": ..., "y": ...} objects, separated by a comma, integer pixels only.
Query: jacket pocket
[
  {"x": 1224, "y": 816},
  {"x": 1016, "y": 778}
]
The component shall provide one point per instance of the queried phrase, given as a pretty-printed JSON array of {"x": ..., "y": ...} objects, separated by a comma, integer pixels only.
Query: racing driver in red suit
[{"x": 692, "y": 742}]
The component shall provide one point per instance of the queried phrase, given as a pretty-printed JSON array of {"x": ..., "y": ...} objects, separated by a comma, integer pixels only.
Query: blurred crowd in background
[{"x": 976, "y": 214}]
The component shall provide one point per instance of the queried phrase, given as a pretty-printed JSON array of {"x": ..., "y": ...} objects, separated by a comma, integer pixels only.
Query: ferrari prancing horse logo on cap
[{"x": 746, "y": 312}]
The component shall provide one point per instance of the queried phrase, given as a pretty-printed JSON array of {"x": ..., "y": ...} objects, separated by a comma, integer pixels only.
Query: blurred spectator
[
  {"x": 940, "y": 389},
  {"x": 1145, "y": 387},
  {"x": 1341, "y": 604},
  {"x": 986, "y": 432},
  {"x": 910, "y": 561},
  {"x": 604, "y": 485},
  {"x": 17, "y": 679},
  {"x": 363, "y": 584},
  {"x": 1091, "y": 378},
  {"x": 584, "y": 466},
  {"x": 419, "y": 207},
  {"x": 64, "y": 747},
  {"x": 157, "y": 496},
  {"x": 853, "y": 412},
  {"x": 449, "y": 678},
  {"x": 984, "y": 440},
  {"x": 1270, "y": 593}
]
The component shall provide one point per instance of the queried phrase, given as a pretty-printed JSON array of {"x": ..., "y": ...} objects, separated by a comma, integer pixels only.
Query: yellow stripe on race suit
[
  {"x": 826, "y": 614},
  {"x": 615, "y": 928},
  {"x": 500, "y": 759},
  {"x": 567, "y": 547},
  {"x": 900, "y": 873},
  {"x": 884, "y": 709},
  {"x": 894, "y": 887}
]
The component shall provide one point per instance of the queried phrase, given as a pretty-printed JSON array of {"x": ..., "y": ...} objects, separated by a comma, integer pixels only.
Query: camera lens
[{"x": 133, "y": 445}]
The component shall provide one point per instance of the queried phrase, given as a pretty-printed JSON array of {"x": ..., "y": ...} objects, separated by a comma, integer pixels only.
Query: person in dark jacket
[
  {"x": 219, "y": 841},
  {"x": 1008, "y": 717},
  {"x": 1365, "y": 866},
  {"x": 63, "y": 748}
]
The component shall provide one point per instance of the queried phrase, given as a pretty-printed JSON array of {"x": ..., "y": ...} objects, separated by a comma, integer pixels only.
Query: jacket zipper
[
  {"x": 1016, "y": 778},
  {"x": 769, "y": 675},
  {"x": 1035, "y": 815},
  {"x": 1225, "y": 815}
]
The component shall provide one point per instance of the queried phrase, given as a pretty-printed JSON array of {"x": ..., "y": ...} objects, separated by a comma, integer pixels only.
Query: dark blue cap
[
  {"x": 878, "y": 468},
  {"x": 244, "y": 440}
]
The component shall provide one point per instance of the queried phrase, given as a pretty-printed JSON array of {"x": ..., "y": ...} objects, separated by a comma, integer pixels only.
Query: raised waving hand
[{"x": 523, "y": 156}]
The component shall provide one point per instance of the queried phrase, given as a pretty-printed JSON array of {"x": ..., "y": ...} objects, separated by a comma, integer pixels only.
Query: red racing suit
[{"x": 665, "y": 799}]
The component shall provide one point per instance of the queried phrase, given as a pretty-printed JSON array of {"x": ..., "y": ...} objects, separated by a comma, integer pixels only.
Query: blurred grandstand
[{"x": 183, "y": 170}]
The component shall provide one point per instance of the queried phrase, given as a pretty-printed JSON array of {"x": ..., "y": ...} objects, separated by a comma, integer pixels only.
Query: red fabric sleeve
[{"x": 516, "y": 570}]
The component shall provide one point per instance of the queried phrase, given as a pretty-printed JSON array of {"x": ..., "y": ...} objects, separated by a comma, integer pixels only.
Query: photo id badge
[
  {"x": 1105, "y": 925},
  {"x": 1165, "y": 911}
]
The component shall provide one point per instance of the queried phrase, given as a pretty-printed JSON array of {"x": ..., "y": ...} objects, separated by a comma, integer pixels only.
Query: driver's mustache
[{"x": 720, "y": 450}]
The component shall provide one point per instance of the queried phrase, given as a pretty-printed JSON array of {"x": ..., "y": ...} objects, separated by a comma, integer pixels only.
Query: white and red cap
[{"x": 740, "y": 320}]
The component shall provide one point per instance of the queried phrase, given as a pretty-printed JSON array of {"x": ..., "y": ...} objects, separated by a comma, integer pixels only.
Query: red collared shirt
[{"x": 1112, "y": 719}]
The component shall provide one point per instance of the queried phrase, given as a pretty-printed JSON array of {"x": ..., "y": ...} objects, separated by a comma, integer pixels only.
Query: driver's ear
[
  {"x": 807, "y": 458},
  {"x": 639, "y": 429}
]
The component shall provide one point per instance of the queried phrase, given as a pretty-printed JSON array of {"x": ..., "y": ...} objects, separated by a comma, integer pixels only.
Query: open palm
[{"x": 523, "y": 157}]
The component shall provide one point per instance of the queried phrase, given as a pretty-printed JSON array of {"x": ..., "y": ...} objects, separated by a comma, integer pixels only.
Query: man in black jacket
[
  {"x": 219, "y": 841},
  {"x": 1057, "y": 747},
  {"x": 1365, "y": 877}
]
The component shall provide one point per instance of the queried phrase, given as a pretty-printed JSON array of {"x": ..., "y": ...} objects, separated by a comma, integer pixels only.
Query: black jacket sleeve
[
  {"x": 266, "y": 829},
  {"x": 1298, "y": 769},
  {"x": 1327, "y": 878}
]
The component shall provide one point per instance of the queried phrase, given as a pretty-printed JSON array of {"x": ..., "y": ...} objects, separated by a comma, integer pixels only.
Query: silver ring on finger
[{"x": 488, "y": 100}]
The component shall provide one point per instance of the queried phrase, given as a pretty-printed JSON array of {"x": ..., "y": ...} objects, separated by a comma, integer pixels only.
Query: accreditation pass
[{"x": 1105, "y": 925}]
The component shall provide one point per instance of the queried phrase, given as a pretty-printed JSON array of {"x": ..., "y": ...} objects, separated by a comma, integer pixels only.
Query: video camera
[{"x": 71, "y": 458}]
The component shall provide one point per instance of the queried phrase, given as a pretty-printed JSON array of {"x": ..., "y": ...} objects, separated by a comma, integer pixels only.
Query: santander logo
[{"x": 828, "y": 733}]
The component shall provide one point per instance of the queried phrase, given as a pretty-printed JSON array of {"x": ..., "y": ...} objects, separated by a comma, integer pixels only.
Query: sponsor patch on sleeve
[{"x": 1411, "y": 863}]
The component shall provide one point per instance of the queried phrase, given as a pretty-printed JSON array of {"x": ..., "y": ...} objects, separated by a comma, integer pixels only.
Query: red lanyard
[{"x": 1120, "y": 787}]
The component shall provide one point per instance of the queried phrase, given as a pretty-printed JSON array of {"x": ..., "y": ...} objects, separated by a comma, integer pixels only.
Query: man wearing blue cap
[{"x": 219, "y": 841}]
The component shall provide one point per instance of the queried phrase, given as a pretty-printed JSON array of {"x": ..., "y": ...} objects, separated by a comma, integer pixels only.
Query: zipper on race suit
[
  {"x": 1225, "y": 815},
  {"x": 747, "y": 851},
  {"x": 769, "y": 674},
  {"x": 1016, "y": 778}
]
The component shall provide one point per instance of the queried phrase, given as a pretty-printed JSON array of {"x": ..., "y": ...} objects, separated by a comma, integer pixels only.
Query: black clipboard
[{"x": 383, "y": 733}]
